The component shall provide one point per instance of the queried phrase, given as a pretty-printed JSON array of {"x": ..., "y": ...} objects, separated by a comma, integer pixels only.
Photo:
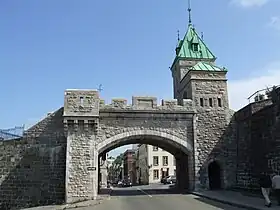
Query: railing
[
  {"x": 261, "y": 94},
  {"x": 11, "y": 133}
]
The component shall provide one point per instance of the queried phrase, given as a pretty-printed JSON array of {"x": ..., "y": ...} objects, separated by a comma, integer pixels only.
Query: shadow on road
[{"x": 136, "y": 192}]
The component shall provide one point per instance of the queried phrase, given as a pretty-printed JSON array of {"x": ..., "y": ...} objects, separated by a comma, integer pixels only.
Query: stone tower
[{"x": 196, "y": 76}]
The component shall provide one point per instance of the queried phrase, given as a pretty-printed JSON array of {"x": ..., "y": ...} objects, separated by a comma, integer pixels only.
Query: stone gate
[{"x": 93, "y": 128}]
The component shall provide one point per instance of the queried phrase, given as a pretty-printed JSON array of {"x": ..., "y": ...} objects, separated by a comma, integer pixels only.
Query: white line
[{"x": 144, "y": 192}]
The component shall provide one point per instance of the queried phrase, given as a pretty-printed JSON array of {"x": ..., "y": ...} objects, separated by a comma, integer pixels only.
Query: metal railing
[
  {"x": 261, "y": 93},
  {"x": 11, "y": 133}
]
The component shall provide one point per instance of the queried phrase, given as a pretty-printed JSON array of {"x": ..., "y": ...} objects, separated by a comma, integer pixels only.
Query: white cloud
[
  {"x": 249, "y": 3},
  {"x": 274, "y": 23},
  {"x": 240, "y": 90}
]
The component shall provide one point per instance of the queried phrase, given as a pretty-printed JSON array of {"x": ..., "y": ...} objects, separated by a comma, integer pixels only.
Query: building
[
  {"x": 129, "y": 168},
  {"x": 153, "y": 164},
  {"x": 112, "y": 175}
]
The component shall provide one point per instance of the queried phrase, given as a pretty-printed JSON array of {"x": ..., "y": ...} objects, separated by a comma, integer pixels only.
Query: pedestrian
[
  {"x": 266, "y": 184},
  {"x": 276, "y": 186}
]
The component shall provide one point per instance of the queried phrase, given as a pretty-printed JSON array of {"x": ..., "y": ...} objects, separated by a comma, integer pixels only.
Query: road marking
[{"x": 144, "y": 192}]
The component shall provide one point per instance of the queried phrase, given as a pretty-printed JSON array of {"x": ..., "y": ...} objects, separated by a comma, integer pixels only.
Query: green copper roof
[
  {"x": 203, "y": 66},
  {"x": 186, "y": 48}
]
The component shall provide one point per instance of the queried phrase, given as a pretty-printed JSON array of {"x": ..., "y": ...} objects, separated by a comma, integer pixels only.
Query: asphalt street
[{"x": 155, "y": 197}]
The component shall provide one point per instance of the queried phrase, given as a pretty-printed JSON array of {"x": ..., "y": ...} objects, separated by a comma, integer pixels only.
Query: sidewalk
[
  {"x": 237, "y": 199},
  {"x": 104, "y": 195}
]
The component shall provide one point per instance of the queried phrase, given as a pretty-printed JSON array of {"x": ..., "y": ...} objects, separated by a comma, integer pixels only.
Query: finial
[
  {"x": 202, "y": 36},
  {"x": 189, "y": 10},
  {"x": 178, "y": 34}
]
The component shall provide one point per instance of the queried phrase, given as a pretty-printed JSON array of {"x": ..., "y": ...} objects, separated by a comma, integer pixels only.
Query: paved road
[{"x": 155, "y": 198}]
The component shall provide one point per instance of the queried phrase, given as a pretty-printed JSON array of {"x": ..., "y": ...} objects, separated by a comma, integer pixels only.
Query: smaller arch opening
[{"x": 214, "y": 175}]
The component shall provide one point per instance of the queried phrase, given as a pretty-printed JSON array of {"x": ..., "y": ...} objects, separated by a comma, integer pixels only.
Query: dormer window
[{"x": 195, "y": 47}]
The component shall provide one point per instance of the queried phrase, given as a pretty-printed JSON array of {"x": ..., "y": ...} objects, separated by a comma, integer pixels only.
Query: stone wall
[
  {"x": 214, "y": 126},
  {"x": 33, "y": 167},
  {"x": 258, "y": 142},
  {"x": 94, "y": 127}
]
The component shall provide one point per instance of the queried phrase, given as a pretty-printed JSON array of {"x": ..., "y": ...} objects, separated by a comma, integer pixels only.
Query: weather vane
[
  {"x": 100, "y": 88},
  {"x": 189, "y": 10}
]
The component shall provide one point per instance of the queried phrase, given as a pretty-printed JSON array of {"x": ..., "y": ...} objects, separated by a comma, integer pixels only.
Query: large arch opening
[
  {"x": 214, "y": 176},
  {"x": 179, "y": 166}
]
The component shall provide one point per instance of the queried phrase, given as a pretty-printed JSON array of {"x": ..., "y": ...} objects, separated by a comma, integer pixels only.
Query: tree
[{"x": 116, "y": 168}]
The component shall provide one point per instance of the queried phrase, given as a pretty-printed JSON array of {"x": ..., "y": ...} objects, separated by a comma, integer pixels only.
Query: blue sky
[{"x": 127, "y": 46}]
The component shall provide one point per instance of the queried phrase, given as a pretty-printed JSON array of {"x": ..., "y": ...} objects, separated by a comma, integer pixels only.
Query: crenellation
[
  {"x": 101, "y": 103},
  {"x": 144, "y": 102},
  {"x": 148, "y": 104},
  {"x": 169, "y": 103},
  {"x": 119, "y": 103},
  {"x": 188, "y": 103}
]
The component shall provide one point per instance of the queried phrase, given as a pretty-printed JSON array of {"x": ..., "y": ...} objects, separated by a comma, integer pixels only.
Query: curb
[
  {"x": 239, "y": 205},
  {"x": 77, "y": 205},
  {"x": 74, "y": 205}
]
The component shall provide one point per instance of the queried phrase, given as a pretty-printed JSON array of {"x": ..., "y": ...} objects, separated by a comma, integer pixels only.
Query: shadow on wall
[
  {"x": 248, "y": 146},
  {"x": 258, "y": 145},
  {"x": 218, "y": 171},
  {"x": 33, "y": 167}
]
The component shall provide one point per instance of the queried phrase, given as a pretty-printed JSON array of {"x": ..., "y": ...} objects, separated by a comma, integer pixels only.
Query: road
[{"x": 155, "y": 197}]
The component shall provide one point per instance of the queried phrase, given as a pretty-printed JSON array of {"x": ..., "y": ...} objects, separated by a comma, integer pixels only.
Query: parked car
[
  {"x": 120, "y": 183},
  {"x": 169, "y": 180},
  {"x": 127, "y": 183}
]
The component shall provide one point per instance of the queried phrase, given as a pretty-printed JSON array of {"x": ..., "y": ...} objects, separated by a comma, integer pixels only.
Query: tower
[{"x": 197, "y": 77}]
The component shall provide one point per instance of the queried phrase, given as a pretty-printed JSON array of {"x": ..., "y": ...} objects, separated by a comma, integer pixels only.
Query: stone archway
[
  {"x": 183, "y": 145},
  {"x": 181, "y": 149},
  {"x": 214, "y": 175}
]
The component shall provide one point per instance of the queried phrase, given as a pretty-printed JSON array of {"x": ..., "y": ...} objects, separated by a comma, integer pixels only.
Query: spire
[{"x": 189, "y": 10}]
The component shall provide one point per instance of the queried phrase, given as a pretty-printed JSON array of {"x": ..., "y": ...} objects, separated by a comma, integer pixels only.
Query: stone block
[
  {"x": 188, "y": 102},
  {"x": 102, "y": 103},
  {"x": 144, "y": 102},
  {"x": 81, "y": 103},
  {"x": 170, "y": 103},
  {"x": 119, "y": 103}
]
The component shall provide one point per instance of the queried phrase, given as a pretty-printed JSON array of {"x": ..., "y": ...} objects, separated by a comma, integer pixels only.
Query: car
[
  {"x": 127, "y": 183},
  {"x": 169, "y": 180},
  {"x": 120, "y": 183}
]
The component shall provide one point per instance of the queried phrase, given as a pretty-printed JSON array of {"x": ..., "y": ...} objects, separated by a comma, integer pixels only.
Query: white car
[{"x": 171, "y": 180}]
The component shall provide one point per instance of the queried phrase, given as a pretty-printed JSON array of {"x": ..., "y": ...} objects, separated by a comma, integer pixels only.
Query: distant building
[
  {"x": 154, "y": 163},
  {"x": 129, "y": 169}
]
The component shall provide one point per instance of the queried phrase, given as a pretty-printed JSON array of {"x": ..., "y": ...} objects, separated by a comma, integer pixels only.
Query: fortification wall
[{"x": 33, "y": 167}]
